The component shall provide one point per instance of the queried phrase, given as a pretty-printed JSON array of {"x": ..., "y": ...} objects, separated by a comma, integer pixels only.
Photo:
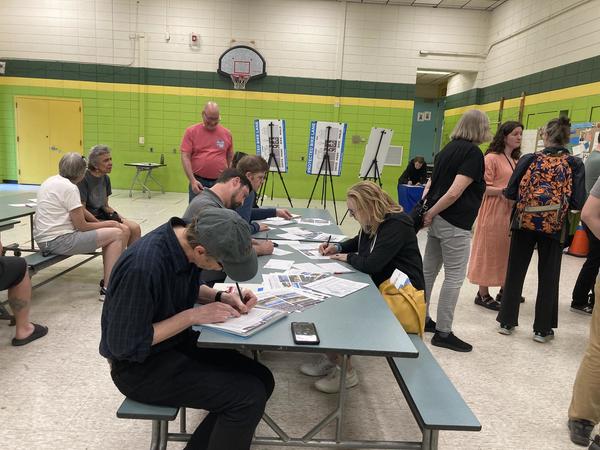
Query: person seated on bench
[
  {"x": 385, "y": 242},
  {"x": 415, "y": 173},
  {"x": 147, "y": 335},
  {"x": 255, "y": 168},
  {"x": 95, "y": 189},
  {"x": 59, "y": 225},
  {"x": 14, "y": 277},
  {"x": 229, "y": 191}
]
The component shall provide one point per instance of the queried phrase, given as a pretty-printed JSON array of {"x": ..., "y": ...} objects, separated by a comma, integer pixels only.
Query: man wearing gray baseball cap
[{"x": 151, "y": 304}]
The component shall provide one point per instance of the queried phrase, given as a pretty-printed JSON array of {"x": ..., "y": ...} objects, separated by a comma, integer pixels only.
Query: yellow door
[{"x": 46, "y": 129}]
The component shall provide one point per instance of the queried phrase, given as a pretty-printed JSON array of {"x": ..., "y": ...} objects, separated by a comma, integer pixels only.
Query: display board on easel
[
  {"x": 376, "y": 152},
  {"x": 531, "y": 141},
  {"x": 321, "y": 133},
  {"x": 269, "y": 136}
]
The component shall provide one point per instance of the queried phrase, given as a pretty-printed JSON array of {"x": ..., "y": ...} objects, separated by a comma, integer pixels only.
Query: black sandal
[{"x": 38, "y": 332}]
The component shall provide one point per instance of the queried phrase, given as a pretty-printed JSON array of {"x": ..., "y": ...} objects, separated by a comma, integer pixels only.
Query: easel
[
  {"x": 326, "y": 165},
  {"x": 374, "y": 165},
  {"x": 263, "y": 188}
]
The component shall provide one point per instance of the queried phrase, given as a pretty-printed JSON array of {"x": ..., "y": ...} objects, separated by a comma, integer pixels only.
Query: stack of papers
[
  {"x": 288, "y": 300},
  {"x": 337, "y": 287},
  {"x": 247, "y": 324},
  {"x": 279, "y": 264},
  {"x": 295, "y": 280},
  {"x": 313, "y": 221},
  {"x": 277, "y": 221}
]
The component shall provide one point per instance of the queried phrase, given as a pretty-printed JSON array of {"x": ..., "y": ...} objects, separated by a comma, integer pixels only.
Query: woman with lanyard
[
  {"x": 386, "y": 241},
  {"x": 489, "y": 253}
]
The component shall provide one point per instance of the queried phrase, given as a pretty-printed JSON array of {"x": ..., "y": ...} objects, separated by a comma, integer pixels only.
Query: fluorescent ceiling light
[{"x": 433, "y": 72}]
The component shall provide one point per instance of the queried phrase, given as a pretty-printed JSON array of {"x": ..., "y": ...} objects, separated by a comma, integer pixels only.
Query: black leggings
[{"x": 234, "y": 390}]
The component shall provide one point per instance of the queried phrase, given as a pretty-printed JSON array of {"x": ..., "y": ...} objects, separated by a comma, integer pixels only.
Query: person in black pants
[
  {"x": 583, "y": 292},
  {"x": 151, "y": 304},
  {"x": 523, "y": 241}
]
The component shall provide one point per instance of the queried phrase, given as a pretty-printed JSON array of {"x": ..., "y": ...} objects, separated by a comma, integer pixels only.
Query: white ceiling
[{"x": 480, "y": 5}]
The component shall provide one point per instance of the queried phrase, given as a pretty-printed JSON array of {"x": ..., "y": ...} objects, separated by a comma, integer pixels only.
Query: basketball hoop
[{"x": 240, "y": 80}]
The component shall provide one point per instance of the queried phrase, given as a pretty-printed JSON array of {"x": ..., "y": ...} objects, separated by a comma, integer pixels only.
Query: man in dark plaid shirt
[{"x": 147, "y": 319}]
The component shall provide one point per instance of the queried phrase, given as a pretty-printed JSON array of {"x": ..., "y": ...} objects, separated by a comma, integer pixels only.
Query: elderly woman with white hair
[
  {"x": 60, "y": 226},
  {"x": 454, "y": 194},
  {"x": 95, "y": 189}
]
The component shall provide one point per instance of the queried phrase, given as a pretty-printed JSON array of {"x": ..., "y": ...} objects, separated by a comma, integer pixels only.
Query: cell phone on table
[{"x": 305, "y": 333}]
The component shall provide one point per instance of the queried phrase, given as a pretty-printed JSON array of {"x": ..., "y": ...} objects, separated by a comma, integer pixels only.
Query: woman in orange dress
[{"x": 489, "y": 253}]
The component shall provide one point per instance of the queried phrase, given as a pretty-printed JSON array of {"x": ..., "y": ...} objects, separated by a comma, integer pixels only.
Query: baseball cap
[{"x": 226, "y": 237}]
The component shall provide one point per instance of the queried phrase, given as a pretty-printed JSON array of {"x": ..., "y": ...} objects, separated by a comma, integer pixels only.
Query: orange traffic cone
[{"x": 580, "y": 245}]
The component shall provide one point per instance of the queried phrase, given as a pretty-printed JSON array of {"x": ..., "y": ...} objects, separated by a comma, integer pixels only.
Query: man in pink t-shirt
[{"x": 206, "y": 150}]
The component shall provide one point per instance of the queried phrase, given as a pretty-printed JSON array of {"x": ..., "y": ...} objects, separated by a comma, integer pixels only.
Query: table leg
[
  {"x": 135, "y": 177},
  {"x": 162, "y": 189},
  {"x": 145, "y": 187}
]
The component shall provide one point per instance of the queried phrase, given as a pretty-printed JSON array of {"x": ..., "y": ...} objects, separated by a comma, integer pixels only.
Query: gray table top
[
  {"x": 313, "y": 213},
  {"x": 359, "y": 324},
  {"x": 8, "y": 212}
]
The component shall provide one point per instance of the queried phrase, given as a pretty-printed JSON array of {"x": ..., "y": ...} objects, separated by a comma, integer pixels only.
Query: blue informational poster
[
  {"x": 321, "y": 133},
  {"x": 269, "y": 135}
]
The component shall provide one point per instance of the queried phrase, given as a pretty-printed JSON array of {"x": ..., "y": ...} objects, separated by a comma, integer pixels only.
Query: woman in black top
[
  {"x": 549, "y": 242},
  {"x": 385, "y": 242},
  {"x": 454, "y": 195},
  {"x": 415, "y": 173}
]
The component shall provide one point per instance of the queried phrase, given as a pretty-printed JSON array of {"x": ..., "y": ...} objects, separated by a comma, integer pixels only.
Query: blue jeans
[{"x": 206, "y": 182}]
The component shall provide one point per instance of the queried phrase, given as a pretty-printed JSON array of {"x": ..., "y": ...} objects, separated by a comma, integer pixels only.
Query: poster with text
[
  {"x": 326, "y": 137},
  {"x": 269, "y": 135}
]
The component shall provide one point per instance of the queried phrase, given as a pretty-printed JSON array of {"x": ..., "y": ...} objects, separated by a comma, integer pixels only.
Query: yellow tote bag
[{"x": 407, "y": 304}]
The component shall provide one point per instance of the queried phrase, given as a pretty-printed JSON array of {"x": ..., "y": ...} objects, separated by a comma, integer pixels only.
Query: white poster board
[
  {"x": 267, "y": 133},
  {"x": 319, "y": 132},
  {"x": 377, "y": 147},
  {"x": 530, "y": 142}
]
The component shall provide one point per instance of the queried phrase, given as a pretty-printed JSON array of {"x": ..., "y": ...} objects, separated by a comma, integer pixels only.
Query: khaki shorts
[{"x": 71, "y": 244}]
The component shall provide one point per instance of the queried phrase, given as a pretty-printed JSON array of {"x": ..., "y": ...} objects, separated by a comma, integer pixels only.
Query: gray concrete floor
[{"x": 56, "y": 393}]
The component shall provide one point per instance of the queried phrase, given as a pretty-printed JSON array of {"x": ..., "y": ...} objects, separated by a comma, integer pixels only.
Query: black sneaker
[
  {"x": 505, "y": 329},
  {"x": 429, "y": 325},
  {"x": 543, "y": 336},
  {"x": 451, "y": 342},
  {"x": 580, "y": 431},
  {"x": 582, "y": 309}
]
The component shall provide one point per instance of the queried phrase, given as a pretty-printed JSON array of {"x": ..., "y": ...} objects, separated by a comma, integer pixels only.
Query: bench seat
[
  {"x": 431, "y": 396},
  {"x": 37, "y": 261}
]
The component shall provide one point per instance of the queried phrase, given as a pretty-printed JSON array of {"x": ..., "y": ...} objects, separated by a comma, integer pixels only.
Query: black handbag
[{"x": 417, "y": 214}]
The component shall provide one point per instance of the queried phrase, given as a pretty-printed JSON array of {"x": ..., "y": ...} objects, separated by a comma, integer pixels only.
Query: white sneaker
[
  {"x": 319, "y": 368},
  {"x": 331, "y": 383}
]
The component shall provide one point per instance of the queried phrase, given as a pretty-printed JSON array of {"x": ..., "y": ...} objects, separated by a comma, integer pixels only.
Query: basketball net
[{"x": 239, "y": 80}]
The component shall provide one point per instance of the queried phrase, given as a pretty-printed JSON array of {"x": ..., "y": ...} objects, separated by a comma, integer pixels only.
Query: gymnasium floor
[{"x": 56, "y": 393}]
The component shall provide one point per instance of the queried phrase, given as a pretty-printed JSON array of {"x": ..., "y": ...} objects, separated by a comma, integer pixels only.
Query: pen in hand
[{"x": 240, "y": 293}]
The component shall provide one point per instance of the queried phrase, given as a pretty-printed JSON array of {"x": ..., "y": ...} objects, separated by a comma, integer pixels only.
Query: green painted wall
[{"x": 119, "y": 118}]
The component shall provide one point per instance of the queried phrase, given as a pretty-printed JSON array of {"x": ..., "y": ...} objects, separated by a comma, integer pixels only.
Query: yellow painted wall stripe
[
  {"x": 202, "y": 92},
  {"x": 582, "y": 90}
]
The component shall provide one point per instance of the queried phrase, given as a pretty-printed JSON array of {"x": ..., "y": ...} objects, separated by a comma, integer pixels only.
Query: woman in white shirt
[{"x": 60, "y": 226}]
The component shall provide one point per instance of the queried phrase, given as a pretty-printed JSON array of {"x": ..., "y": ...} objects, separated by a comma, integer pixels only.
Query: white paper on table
[
  {"x": 254, "y": 287},
  {"x": 305, "y": 245},
  {"x": 335, "y": 286},
  {"x": 297, "y": 230},
  {"x": 284, "y": 242},
  {"x": 309, "y": 267},
  {"x": 335, "y": 267},
  {"x": 246, "y": 323},
  {"x": 312, "y": 254},
  {"x": 279, "y": 252},
  {"x": 331, "y": 237},
  {"x": 295, "y": 216},
  {"x": 278, "y": 264},
  {"x": 277, "y": 221},
  {"x": 289, "y": 236},
  {"x": 313, "y": 221}
]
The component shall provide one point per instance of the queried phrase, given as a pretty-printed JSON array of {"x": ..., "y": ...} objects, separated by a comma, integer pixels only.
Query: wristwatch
[{"x": 218, "y": 296}]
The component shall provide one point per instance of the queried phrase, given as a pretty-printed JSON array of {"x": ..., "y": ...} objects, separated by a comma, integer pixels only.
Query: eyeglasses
[{"x": 352, "y": 212}]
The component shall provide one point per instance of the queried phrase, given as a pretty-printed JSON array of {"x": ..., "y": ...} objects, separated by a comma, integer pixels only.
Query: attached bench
[
  {"x": 160, "y": 417},
  {"x": 38, "y": 261},
  {"x": 8, "y": 225},
  {"x": 433, "y": 400}
]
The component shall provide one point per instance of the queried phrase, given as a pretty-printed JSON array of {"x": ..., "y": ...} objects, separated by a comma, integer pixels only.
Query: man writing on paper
[
  {"x": 206, "y": 150},
  {"x": 230, "y": 191},
  {"x": 147, "y": 319}
]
